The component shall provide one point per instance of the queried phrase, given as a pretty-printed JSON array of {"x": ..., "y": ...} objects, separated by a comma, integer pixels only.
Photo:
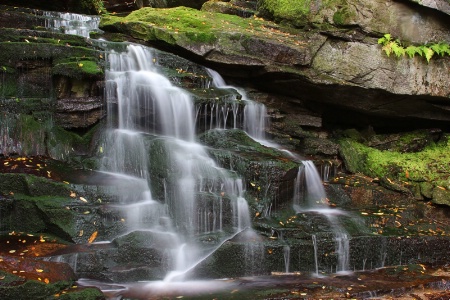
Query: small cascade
[
  {"x": 316, "y": 260},
  {"x": 70, "y": 23},
  {"x": 287, "y": 258},
  {"x": 255, "y": 119},
  {"x": 309, "y": 196}
]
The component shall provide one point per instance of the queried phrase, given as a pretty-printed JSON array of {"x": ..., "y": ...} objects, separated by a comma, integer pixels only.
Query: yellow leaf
[
  {"x": 81, "y": 233},
  {"x": 39, "y": 270},
  {"x": 80, "y": 65},
  {"x": 83, "y": 199},
  {"x": 92, "y": 237}
]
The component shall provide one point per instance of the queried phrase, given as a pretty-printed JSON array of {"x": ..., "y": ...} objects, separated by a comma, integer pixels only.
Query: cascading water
[
  {"x": 309, "y": 196},
  {"x": 70, "y": 23},
  {"x": 255, "y": 114},
  {"x": 147, "y": 111}
]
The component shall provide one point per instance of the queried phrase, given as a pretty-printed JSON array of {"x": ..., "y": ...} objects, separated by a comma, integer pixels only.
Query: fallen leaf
[
  {"x": 92, "y": 237},
  {"x": 39, "y": 270}
]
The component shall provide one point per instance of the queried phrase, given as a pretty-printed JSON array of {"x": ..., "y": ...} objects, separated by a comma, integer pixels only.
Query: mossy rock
[
  {"x": 15, "y": 287},
  {"x": 293, "y": 12},
  {"x": 219, "y": 37},
  {"x": 401, "y": 171},
  {"x": 31, "y": 185},
  {"x": 264, "y": 168}
]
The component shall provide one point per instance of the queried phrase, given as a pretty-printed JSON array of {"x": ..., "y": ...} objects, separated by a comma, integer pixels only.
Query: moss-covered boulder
[
  {"x": 16, "y": 287},
  {"x": 423, "y": 173},
  {"x": 220, "y": 38},
  {"x": 264, "y": 168},
  {"x": 245, "y": 9}
]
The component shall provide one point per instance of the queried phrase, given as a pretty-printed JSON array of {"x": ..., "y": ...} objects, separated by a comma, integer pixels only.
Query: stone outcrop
[{"x": 337, "y": 70}]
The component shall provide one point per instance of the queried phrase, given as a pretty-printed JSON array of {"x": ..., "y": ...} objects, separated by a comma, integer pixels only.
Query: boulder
[
  {"x": 317, "y": 66},
  {"x": 422, "y": 173}
]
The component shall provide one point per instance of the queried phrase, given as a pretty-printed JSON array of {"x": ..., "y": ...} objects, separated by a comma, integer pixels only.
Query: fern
[
  {"x": 390, "y": 46},
  {"x": 441, "y": 49},
  {"x": 385, "y": 39},
  {"x": 428, "y": 52},
  {"x": 398, "y": 49},
  {"x": 387, "y": 48},
  {"x": 412, "y": 50}
]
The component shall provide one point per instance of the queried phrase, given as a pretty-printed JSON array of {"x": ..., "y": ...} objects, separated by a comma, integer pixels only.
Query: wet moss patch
[{"x": 401, "y": 171}]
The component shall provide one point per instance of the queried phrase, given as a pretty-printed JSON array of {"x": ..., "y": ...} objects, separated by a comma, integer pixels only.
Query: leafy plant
[{"x": 395, "y": 46}]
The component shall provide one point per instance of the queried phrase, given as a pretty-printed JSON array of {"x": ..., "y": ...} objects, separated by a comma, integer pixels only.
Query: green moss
[
  {"x": 184, "y": 26},
  {"x": 31, "y": 289},
  {"x": 431, "y": 164},
  {"x": 286, "y": 9},
  {"x": 78, "y": 69}
]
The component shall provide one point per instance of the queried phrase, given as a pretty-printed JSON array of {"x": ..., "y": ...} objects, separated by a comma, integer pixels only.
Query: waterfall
[
  {"x": 147, "y": 112},
  {"x": 287, "y": 258},
  {"x": 255, "y": 114},
  {"x": 309, "y": 196},
  {"x": 70, "y": 23},
  {"x": 316, "y": 262}
]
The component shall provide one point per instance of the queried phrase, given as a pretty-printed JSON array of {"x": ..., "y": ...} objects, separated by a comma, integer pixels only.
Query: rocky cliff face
[{"x": 333, "y": 54}]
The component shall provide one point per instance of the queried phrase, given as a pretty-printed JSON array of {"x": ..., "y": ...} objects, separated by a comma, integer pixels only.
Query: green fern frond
[
  {"x": 441, "y": 48},
  {"x": 387, "y": 48},
  {"x": 397, "y": 49},
  {"x": 385, "y": 39},
  {"x": 412, "y": 50},
  {"x": 428, "y": 52}
]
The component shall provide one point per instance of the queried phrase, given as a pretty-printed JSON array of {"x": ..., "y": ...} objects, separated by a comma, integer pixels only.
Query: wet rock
[
  {"x": 267, "y": 167},
  {"x": 16, "y": 287},
  {"x": 126, "y": 6},
  {"x": 403, "y": 172},
  {"x": 405, "y": 142},
  {"x": 244, "y": 9},
  {"x": 318, "y": 146},
  {"x": 441, "y": 196}
]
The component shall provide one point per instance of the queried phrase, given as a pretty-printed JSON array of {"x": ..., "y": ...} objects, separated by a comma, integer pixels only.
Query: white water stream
[
  {"x": 70, "y": 23},
  {"x": 151, "y": 111},
  {"x": 310, "y": 196}
]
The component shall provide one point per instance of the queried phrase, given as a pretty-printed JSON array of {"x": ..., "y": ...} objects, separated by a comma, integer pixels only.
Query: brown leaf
[{"x": 92, "y": 237}]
